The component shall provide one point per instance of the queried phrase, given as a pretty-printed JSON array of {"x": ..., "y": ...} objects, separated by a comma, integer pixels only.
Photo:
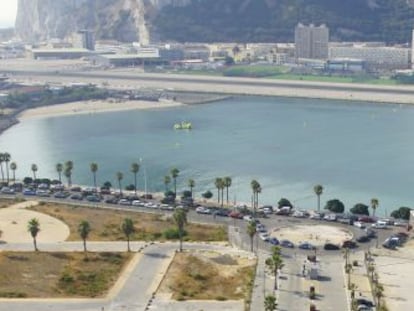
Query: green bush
[{"x": 173, "y": 234}]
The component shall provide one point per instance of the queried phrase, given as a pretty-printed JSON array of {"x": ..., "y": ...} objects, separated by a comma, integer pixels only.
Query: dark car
[
  {"x": 287, "y": 244},
  {"x": 273, "y": 241},
  {"x": 76, "y": 189},
  {"x": 370, "y": 233},
  {"x": 349, "y": 244},
  {"x": 363, "y": 239},
  {"x": 93, "y": 198},
  {"x": 365, "y": 302},
  {"x": 111, "y": 201},
  {"x": 221, "y": 212},
  {"x": 29, "y": 192},
  {"x": 330, "y": 247},
  {"x": 307, "y": 245},
  {"x": 61, "y": 195},
  {"x": 76, "y": 197}
]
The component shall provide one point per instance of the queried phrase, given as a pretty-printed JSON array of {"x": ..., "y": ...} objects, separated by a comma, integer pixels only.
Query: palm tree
[
  {"x": 318, "y": 189},
  {"x": 119, "y": 177},
  {"x": 270, "y": 303},
  {"x": 227, "y": 184},
  {"x": 68, "y": 175},
  {"x": 34, "y": 170},
  {"x": 135, "y": 170},
  {"x": 191, "y": 184},
  {"x": 218, "y": 182},
  {"x": 174, "y": 174},
  {"x": 84, "y": 229},
  {"x": 256, "y": 188},
  {"x": 167, "y": 181},
  {"x": 33, "y": 226},
  {"x": 180, "y": 218},
  {"x": 68, "y": 172},
  {"x": 379, "y": 293},
  {"x": 275, "y": 263},
  {"x": 7, "y": 157},
  {"x": 13, "y": 167},
  {"x": 251, "y": 231},
  {"x": 94, "y": 169},
  {"x": 59, "y": 170},
  {"x": 1, "y": 166},
  {"x": 128, "y": 229},
  {"x": 374, "y": 205}
]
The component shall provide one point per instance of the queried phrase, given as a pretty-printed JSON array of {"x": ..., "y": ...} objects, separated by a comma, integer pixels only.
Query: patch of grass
[
  {"x": 198, "y": 276},
  {"x": 106, "y": 224},
  {"x": 255, "y": 71},
  {"x": 41, "y": 275}
]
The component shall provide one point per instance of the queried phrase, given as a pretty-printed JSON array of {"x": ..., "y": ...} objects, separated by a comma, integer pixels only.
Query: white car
[
  {"x": 264, "y": 236},
  {"x": 124, "y": 202},
  {"x": 136, "y": 203},
  {"x": 359, "y": 224},
  {"x": 379, "y": 225},
  {"x": 248, "y": 218}
]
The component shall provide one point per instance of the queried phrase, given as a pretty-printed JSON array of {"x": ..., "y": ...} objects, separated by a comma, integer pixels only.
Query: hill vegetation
[{"x": 274, "y": 20}]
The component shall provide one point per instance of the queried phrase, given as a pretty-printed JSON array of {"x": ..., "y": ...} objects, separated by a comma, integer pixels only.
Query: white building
[
  {"x": 376, "y": 57},
  {"x": 311, "y": 42}
]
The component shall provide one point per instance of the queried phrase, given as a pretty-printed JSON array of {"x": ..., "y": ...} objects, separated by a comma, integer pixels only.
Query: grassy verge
[
  {"x": 106, "y": 224},
  {"x": 209, "y": 276},
  {"x": 53, "y": 275}
]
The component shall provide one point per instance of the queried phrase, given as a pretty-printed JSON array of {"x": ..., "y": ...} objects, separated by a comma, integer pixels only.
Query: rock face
[
  {"x": 215, "y": 20},
  {"x": 124, "y": 20}
]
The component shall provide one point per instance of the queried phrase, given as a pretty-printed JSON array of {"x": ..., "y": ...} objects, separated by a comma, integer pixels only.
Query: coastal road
[{"x": 222, "y": 85}]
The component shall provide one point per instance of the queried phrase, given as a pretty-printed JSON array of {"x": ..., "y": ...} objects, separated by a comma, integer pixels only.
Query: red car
[{"x": 237, "y": 215}]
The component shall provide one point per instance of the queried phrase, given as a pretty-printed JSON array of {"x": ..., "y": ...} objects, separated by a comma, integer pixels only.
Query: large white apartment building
[
  {"x": 375, "y": 57},
  {"x": 311, "y": 42}
]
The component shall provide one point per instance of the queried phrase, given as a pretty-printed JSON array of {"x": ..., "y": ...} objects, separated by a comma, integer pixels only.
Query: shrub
[{"x": 172, "y": 233}]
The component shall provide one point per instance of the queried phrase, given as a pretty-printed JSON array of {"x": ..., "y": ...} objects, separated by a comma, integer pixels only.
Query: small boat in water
[{"x": 183, "y": 126}]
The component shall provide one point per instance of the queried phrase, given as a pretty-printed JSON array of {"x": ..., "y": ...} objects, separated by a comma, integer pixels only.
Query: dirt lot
[
  {"x": 106, "y": 224},
  {"x": 40, "y": 275},
  {"x": 209, "y": 276}
]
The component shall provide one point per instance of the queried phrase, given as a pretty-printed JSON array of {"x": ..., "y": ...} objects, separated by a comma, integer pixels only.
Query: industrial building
[{"x": 311, "y": 42}]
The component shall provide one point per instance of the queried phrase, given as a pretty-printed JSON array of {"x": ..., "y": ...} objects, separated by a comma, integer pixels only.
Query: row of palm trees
[
  {"x": 222, "y": 183},
  {"x": 318, "y": 189},
  {"x": 127, "y": 227},
  {"x": 6, "y": 158}
]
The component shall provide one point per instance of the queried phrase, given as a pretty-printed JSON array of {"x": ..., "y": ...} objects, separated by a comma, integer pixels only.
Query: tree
[
  {"x": 34, "y": 169},
  {"x": 270, "y": 303},
  {"x": 135, "y": 170},
  {"x": 402, "y": 213},
  {"x": 275, "y": 263},
  {"x": 107, "y": 185},
  {"x": 284, "y": 202},
  {"x": 335, "y": 206},
  {"x": 227, "y": 184},
  {"x": 251, "y": 231},
  {"x": 191, "y": 185},
  {"x": 180, "y": 218},
  {"x": 379, "y": 293},
  {"x": 228, "y": 61},
  {"x": 84, "y": 229},
  {"x": 318, "y": 189},
  {"x": 374, "y": 205},
  {"x": 119, "y": 177},
  {"x": 128, "y": 229},
  {"x": 59, "y": 170},
  {"x": 174, "y": 174},
  {"x": 360, "y": 209},
  {"x": 33, "y": 226},
  {"x": 94, "y": 169},
  {"x": 167, "y": 181},
  {"x": 13, "y": 167},
  {"x": 256, "y": 189},
  {"x": 207, "y": 195},
  {"x": 7, "y": 157},
  {"x": 68, "y": 168},
  {"x": 218, "y": 183}
]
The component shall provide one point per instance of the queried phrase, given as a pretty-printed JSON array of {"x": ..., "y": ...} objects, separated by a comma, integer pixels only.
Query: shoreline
[{"x": 92, "y": 107}]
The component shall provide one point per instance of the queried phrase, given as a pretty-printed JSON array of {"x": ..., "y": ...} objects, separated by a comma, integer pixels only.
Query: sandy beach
[{"x": 94, "y": 106}]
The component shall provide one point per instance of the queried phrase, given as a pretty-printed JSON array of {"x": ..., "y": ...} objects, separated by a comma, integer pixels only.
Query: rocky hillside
[{"x": 215, "y": 20}]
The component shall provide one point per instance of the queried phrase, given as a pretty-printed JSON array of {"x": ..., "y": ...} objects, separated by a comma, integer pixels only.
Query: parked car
[
  {"x": 365, "y": 302},
  {"x": 28, "y": 191},
  {"x": 273, "y": 241},
  {"x": 235, "y": 214},
  {"x": 137, "y": 203},
  {"x": 124, "y": 202},
  {"x": 363, "y": 239},
  {"x": 349, "y": 244},
  {"x": 359, "y": 224},
  {"x": 287, "y": 244},
  {"x": 93, "y": 198},
  {"x": 8, "y": 190},
  {"x": 61, "y": 195},
  {"x": 306, "y": 245},
  {"x": 370, "y": 233},
  {"x": 76, "y": 189},
  {"x": 111, "y": 201},
  {"x": 248, "y": 218},
  {"x": 330, "y": 247},
  {"x": 366, "y": 219},
  {"x": 221, "y": 212},
  {"x": 76, "y": 197},
  {"x": 264, "y": 236},
  {"x": 330, "y": 217},
  {"x": 43, "y": 193},
  {"x": 379, "y": 225}
]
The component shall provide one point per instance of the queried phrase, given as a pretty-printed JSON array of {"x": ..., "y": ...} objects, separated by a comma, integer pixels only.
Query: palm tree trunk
[
  {"x": 60, "y": 177},
  {"x": 84, "y": 245},
  {"x": 319, "y": 203},
  {"x": 222, "y": 196},
  {"x": 251, "y": 244},
  {"x": 2, "y": 172},
  {"x": 275, "y": 279},
  {"x": 227, "y": 195},
  {"x": 120, "y": 188},
  {"x": 35, "y": 244},
  {"x": 7, "y": 172},
  {"x": 129, "y": 249},
  {"x": 94, "y": 179},
  {"x": 175, "y": 186},
  {"x": 14, "y": 175},
  {"x": 180, "y": 233},
  {"x": 218, "y": 195},
  {"x": 191, "y": 190},
  {"x": 135, "y": 183}
]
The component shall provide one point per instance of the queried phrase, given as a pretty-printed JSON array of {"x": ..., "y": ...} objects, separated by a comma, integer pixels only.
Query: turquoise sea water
[{"x": 355, "y": 150}]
